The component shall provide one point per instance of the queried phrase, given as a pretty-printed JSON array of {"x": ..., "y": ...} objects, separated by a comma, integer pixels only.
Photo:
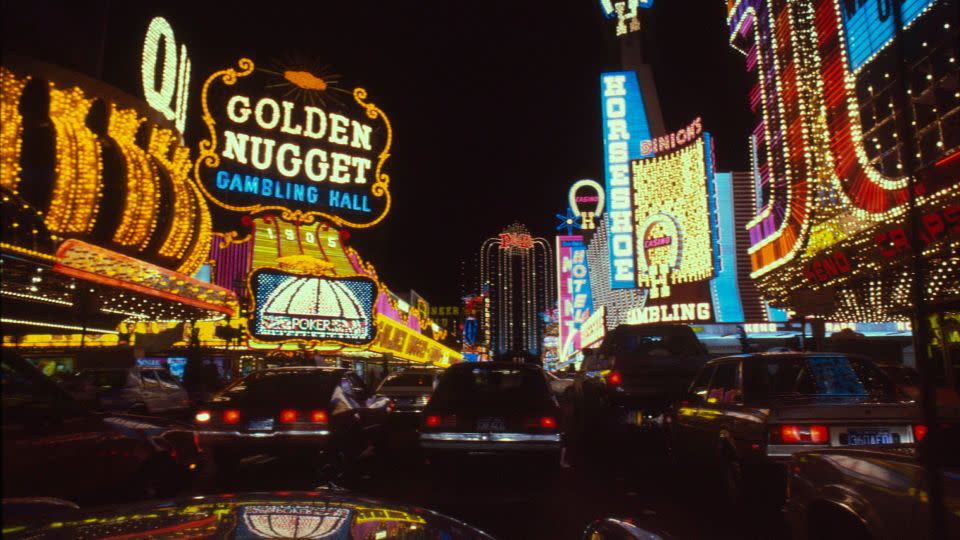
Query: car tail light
[
  {"x": 318, "y": 416},
  {"x": 803, "y": 434},
  {"x": 433, "y": 421},
  {"x": 614, "y": 378},
  {"x": 548, "y": 422},
  {"x": 288, "y": 416},
  {"x": 231, "y": 416},
  {"x": 919, "y": 432},
  {"x": 202, "y": 417}
]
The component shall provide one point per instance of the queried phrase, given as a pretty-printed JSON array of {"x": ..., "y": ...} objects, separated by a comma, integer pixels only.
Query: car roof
[
  {"x": 792, "y": 354},
  {"x": 493, "y": 365}
]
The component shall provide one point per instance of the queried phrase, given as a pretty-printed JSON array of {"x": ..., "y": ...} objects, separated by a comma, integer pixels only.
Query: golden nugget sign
[{"x": 288, "y": 140}]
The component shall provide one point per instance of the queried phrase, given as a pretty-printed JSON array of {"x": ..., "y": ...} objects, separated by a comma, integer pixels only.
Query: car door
[
  {"x": 687, "y": 420},
  {"x": 175, "y": 396},
  {"x": 723, "y": 395},
  {"x": 51, "y": 445}
]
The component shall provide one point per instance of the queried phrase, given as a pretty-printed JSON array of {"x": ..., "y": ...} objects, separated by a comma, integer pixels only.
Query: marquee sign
[
  {"x": 289, "y": 306},
  {"x": 586, "y": 199},
  {"x": 289, "y": 140}
]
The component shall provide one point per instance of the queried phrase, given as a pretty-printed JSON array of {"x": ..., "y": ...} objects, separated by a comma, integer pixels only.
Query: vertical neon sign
[
  {"x": 573, "y": 288},
  {"x": 624, "y": 126}
]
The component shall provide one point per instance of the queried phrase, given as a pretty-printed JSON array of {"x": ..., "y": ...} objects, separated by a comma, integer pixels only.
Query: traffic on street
[{"x": 615, "y": 270}]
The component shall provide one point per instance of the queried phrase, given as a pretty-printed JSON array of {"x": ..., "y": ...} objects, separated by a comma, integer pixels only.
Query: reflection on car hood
[
  {"x": 320, "y": 514},
  {"x": 132, "y": 424}
]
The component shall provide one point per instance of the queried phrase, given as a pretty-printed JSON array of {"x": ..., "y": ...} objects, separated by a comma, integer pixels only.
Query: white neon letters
[
  {"x": 169, "y": 97},
  {"x": 291, "y": 159}
]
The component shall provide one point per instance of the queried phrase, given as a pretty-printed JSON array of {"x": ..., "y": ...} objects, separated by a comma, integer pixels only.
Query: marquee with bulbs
[{"x": 831, "y": 232}]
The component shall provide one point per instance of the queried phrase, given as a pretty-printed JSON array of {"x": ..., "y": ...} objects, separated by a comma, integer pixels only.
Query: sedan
[
  {"x": 492, "y": 407},
  {"x": 747, "y": 415},
  {"x": 322, "y": 412}
]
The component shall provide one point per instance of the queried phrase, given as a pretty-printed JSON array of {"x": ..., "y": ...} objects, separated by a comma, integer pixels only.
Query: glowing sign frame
[
  {"x": 254, "y": 321},
  {"x": 209, "y": 157}
]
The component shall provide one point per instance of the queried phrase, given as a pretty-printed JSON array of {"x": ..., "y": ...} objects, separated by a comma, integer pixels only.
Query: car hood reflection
[{"x": 315, "y": 514}]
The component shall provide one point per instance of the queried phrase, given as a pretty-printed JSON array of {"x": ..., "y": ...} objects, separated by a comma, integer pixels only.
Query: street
[{"x": 513, "y": 499}]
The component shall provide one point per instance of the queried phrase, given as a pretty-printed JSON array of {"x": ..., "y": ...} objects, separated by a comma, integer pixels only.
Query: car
[
  {"x": 138, "y": 389},
  {"x": 745, "y": 416},
  {"x": 410, "y": 389},
  {"x": 491, "y": 408},
  {"x": 314, "y": 411},
  {"x": 866, "y": 493},
  {"x": 324, "y": 513},
  {"x": 630, "y": 381},
  {"x": 908, "y": 384},
  {"x": 54, "y": 446}
]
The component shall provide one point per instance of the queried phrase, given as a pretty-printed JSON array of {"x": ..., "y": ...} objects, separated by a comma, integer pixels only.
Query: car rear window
[
  {"x": 409, "y": 379},
  {"x": 506, "y": 383},
  {"x": 107, "y": 379},
  {"x": 821, "y": 376},
  {"x": 285, "y": 385}
]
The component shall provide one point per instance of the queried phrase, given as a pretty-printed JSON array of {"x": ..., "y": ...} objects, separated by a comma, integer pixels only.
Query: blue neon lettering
[{"x": 223, "y": 179}]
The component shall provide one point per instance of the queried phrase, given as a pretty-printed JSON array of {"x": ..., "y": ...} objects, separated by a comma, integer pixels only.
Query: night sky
[{"x": 495, "y": 104}]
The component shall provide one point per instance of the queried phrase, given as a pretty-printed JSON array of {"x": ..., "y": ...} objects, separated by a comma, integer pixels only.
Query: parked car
[
  {"x": 631, "y": 380},
  {"x": 53, "y": 446},
  {"x": 320, "y": 514},
  {"x": 868, "y": 494},
  {"x": 321, "y": 412},
  {"x": 410, "y": 389},
  {"x": 747, "y": 415},
  {"x": 137, "y": 389},
  {"x": 491, "y": 407}
]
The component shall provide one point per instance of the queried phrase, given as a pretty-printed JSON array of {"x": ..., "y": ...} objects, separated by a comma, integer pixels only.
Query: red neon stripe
[{"x": 947, "y": 159}]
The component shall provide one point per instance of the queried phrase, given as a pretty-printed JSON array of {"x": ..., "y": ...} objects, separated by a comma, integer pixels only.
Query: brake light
[
  {"x": 449, "y": 420},
  {"x": 614, "y": 378},
  {"x": 318, "y": 416},
  {"x": 202, "y": 416},
  {"x": 288, "y": 416},
  {"x": 804, "y": 434},
  {"x": 548, "y": 422},
  {"x": 919, "y": 432},
  {"x": 433, "y": 421},
  {"x": 231, "y": 416}
]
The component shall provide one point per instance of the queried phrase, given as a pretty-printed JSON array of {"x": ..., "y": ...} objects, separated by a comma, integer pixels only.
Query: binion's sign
[{"x": 289, "y": 140}]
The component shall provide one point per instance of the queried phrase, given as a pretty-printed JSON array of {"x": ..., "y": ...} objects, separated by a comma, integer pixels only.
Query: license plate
[
  {"x": 490, "y": 424},
  {"x": 260, "y": 425},
  {"x": 866, "y": 437}
]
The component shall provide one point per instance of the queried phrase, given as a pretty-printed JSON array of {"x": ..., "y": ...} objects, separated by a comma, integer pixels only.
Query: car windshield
[
  {"x": 423, "y": 380},
  {"x": 107, "y": 379},
  {"x": 821, "y": 376},
  {"x": 499, "y": 383}
]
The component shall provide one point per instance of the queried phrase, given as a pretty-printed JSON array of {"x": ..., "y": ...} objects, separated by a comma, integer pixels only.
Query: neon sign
[
  {"x": 518, "y": 240},
  {"x": 299, "y": 307},
  {"x": 587, "y": 217},
  {"x": 289, "y": 141},
  {"x": 624, "y": 120},
  {"x": 673, "y": 218},
  {"x": 168, "y": 95},
  {"x": 868, "y": 26},
  {"x": 573, "y": 287},
  {"x": 625, "y": 12}
]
